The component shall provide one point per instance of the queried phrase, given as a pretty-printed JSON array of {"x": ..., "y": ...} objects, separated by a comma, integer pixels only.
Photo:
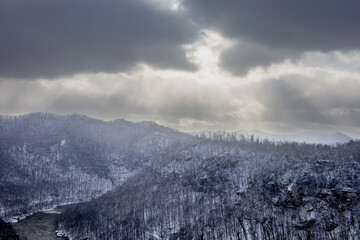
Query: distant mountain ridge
[{"x": 307, "y": 137}]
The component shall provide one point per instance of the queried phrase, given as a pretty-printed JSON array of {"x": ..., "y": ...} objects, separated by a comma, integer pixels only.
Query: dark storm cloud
[
  {"x": 281, "y": 25},
  {"x": 244, "y": 56},
  {"x": 43, "y": 38}
]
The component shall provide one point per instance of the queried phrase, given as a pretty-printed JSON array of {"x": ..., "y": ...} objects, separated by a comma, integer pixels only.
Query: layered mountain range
[{"x": 145, "y": 181}]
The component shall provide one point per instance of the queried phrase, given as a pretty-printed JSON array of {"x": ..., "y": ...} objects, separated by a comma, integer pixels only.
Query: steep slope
[
  {"x": 49, "y": 159},
  {"x": 226, "y": 189}
]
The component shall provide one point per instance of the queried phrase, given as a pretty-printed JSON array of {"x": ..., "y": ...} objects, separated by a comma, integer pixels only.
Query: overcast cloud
[
  {"x": 50, "y": 39},
  {"x": 280, "y": 66},
  {"x": 279, "y": 29}
]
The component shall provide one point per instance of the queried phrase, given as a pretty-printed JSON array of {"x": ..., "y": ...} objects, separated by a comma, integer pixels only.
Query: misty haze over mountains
[
  {"x": 307, "y": 137},
  {"x": 144, "y": 181}
]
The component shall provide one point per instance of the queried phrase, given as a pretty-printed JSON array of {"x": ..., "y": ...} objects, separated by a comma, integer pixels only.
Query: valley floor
[{"x": 40, "y": 225}]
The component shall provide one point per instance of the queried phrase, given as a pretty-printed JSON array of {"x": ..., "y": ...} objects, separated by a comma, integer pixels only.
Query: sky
[{"x": 278, "y": 66}]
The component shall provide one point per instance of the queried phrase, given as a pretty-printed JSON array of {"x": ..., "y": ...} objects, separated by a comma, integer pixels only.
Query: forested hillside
[
  {"x": 48, "y": 160},
  {"x": 231, "y": 189},
  {"x": 145, "y": 181}
]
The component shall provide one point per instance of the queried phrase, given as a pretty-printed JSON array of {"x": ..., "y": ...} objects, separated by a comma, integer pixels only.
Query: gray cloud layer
[
  {"x": 166, "y": 100},
  {"x": 316, "y": 101},
  {"x": 52, "y": 39},
  {"x": 302, "y": 101},
  {"x": 306, "y": 24},
  {"x": 49, "y": 39},
  {"x": 281, "y": 27},
  {"x": 244, "y": 56}
]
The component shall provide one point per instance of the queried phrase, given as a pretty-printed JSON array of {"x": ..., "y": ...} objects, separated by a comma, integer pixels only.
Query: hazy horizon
[{"x": 284, "y": 134}]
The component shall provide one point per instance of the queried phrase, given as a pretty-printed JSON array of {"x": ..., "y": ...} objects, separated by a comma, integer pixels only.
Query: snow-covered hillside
[
  {"x": 144, "y": 181},
  {"x": 49, "y": 159},
  {"x": 227, "y": 188}
]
